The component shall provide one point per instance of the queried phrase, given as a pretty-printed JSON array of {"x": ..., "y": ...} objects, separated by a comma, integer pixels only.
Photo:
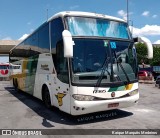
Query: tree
[
  {"x": 156, "y": 57},
  {"x": 141, "y": 53}
]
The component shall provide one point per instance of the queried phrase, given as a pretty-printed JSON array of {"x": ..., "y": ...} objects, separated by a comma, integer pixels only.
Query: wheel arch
[{"x": 44, "y": 86}]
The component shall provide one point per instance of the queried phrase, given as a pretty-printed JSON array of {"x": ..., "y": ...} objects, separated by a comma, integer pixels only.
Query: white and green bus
[{"x": 80, "y": 63}]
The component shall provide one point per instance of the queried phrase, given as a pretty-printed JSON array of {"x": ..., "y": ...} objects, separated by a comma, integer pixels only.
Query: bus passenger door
[
  {"x": 30, "y": 76},
  {"x": 62, "y": 90}
]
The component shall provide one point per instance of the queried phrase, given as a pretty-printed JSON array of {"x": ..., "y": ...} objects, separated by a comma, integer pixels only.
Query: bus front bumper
[{"x": 85, "y": 107}]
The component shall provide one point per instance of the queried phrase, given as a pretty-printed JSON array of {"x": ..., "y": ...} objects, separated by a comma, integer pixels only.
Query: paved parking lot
[{"x": 22, "y": 111}]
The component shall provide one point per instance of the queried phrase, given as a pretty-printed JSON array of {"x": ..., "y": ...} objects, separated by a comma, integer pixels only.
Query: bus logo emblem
[{"x": 113, "y": 94}]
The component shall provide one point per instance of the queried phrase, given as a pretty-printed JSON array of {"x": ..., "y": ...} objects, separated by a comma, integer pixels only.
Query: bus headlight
[
  {"x": 79, "y": 97},
  {"x": 133, "y": 92}
]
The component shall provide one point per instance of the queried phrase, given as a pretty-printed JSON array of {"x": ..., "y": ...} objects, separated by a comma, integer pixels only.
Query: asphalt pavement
[{"x": 22, "y": 111}]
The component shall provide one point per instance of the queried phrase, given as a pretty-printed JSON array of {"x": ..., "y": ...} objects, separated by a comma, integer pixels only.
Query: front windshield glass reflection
[
  {"x": 90, "y": 55},
  {"x": 82, "y": 26}
]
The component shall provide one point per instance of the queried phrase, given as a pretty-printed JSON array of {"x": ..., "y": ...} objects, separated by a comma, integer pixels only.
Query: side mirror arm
[{"x": 147, "y": 43}]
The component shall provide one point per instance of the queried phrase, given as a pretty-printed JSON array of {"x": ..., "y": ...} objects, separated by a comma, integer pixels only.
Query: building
[
  {"x": 6, "y": 46},
  {"x": 156, "y": 45}
]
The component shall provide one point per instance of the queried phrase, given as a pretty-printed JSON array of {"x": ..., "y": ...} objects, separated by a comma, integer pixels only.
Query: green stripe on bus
[{"x": 121, "y": 88}]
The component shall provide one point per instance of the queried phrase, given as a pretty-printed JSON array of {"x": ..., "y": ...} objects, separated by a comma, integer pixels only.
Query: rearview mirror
[
  {"x": 68, "y": 43},
  {"x": 148, "y": 44}
]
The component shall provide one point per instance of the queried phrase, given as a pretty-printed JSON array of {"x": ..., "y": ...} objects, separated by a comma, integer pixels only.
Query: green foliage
[
  {"x": 141, "y": 53},
  {"x": 156, "y": 57}
]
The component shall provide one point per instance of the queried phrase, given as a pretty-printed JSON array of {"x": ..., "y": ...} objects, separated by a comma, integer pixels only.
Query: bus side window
[
  {"x": 57, "y": 50},
  {"x": 61, "y": 63}
]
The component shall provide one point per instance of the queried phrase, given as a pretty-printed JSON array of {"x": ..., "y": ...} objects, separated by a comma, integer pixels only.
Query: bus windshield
[
  {"x": 82, "y": 26},
  {"x": 91, "y": 56}
]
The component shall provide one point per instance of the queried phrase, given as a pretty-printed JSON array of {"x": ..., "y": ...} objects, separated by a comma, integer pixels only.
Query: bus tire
[
  {"x": 46, "y": 97},
  {"x": 15, "y": 83}
]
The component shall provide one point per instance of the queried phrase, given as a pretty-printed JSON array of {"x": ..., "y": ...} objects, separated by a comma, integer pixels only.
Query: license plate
[{"x": 113, "y": 105}]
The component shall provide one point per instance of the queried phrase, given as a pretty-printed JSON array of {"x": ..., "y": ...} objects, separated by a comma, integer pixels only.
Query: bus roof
[
  {"x": 84, "y": 14},
  {"x": 75, "y": 13}
]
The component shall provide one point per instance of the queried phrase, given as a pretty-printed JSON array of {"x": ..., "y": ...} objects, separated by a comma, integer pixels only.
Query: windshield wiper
[
  {"x": 124, "y": 71},
  {"x": 119, "y": 63},
  {"x": 104, "y": 66}
]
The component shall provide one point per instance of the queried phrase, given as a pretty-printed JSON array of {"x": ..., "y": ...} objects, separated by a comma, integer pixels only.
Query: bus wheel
[
  {"x": 13, "y": 83},
  {"x": 46, "y": 98},
  {"x": 16, "y": 85}
]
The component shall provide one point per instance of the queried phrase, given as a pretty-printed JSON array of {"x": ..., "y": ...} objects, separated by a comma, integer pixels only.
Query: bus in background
[
  {"x": 80, "y": 62},
  {"x": 15, "y": 69},
  {"x": 4, "y": 71}
]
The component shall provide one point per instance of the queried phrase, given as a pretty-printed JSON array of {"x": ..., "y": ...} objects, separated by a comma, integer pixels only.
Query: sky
[{"x": 19, "y": 18}]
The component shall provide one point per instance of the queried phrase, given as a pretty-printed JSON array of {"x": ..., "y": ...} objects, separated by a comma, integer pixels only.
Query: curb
[{"x": 146, "y": 82}]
